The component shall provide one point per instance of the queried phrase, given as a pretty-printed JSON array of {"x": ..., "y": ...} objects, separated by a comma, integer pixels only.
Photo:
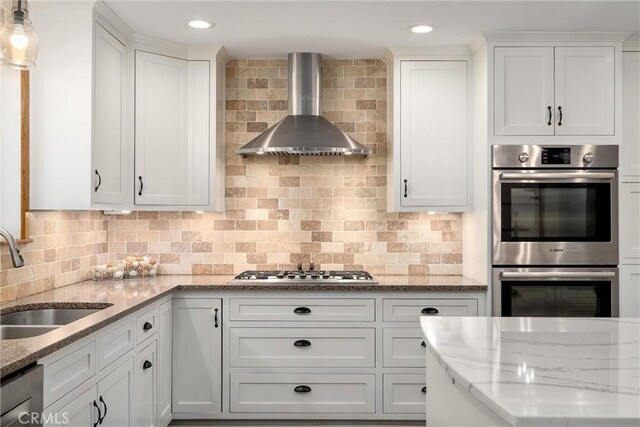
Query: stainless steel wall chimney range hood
[{"x": 304, "y": 132}]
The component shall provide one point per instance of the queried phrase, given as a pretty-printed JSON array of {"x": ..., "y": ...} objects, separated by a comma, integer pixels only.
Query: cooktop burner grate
[{"x": 301, "y": 275}]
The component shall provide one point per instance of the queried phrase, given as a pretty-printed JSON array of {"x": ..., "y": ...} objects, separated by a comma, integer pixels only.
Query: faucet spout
[{"x": 16, "y": 258}]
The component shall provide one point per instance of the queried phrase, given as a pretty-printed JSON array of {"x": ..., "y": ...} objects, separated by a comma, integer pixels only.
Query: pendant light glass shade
[{"x": 18, "y": 39}]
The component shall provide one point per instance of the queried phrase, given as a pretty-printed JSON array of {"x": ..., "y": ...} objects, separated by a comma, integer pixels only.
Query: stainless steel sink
[
  {"x": 46, "y": 316},
  {"x": 17, "y": 332},
  {"x": 31, "y": 323}
]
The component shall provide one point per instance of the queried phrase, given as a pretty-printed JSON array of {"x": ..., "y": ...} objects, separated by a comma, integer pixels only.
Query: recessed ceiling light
[
  {"x": 421, "y": 28},
  {"x": 200, "y": 24}
]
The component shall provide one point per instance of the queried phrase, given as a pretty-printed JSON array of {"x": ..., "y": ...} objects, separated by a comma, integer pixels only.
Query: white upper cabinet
[
  {"x": 554, "y": 91},
  {"x": 584, "y": 90},
  {"x": 108, "y": 151},
  {"x": 171, "y": 131},
  {"x": 524, "y": 91},
  {"x": 430, "y": 154},
  {"x": 116, "y": 124},
  {"x": 61, "y": 105}
]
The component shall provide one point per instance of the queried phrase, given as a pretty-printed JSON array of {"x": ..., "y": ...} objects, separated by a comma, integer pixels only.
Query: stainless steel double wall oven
[{"x": 555, "y": 230}]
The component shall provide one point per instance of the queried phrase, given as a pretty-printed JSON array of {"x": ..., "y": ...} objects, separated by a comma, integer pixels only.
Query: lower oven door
[
  {"x": 555, "y": 292},
  {"x": 555, "y": 217}
]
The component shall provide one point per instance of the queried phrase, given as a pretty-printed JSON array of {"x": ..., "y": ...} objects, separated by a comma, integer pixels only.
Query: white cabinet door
[
  {"x": 523, "y": 79},
  {"x": 171, "y": 131},
  {"x": 629, "y": 290},
  {"x": 80, "y": 409},
  {"x": 163, "y": 391},
  {"x": 108, "y": 118},
  {"x": 197, "y": 356},
  {"x": 433, "y": 135},
  {"x": 115, "y": 396},
  {"x": 145, "y": 386},
  {"x": 584, "y": 90},
  {"x": 198, "y": 146},
  {"x": 629, "y": 224},
  {"x": 630, "y": 147}
]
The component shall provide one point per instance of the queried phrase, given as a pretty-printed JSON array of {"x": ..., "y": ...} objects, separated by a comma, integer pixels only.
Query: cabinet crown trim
[{"x": 554, "y": 36}]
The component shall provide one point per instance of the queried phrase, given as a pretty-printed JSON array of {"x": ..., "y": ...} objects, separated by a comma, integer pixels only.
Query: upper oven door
[{"x": 555, "y": 217}]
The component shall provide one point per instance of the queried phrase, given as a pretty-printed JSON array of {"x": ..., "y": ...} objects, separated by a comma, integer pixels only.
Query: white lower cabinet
[
  {"x": 163, "y": 400},
  {"x": 122, "y": 388},
  {"x": 300, "y": 393},
  {"x": 197, "y": 356},
  {"x": 109, "y": 402},
  {"x": 115, "y": 396},
  {"x": 145, "y": 386},
  {"x": 79, "y": 409},
  {"x": 302, "y": 347},
  {"x": 339, "y": 358},
  {"x": 630, "y": 290},
  {"x": 403, "y": 348},
  {"x": 404, "y": 394}
]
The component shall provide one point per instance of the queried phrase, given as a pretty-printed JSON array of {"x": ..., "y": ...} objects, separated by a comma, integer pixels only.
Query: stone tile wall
[
  {"x": 65, "y": 246},
  {"x": 285, "y": 210}
]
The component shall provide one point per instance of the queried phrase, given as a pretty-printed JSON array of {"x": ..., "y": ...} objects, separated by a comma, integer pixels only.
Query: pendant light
[{"x": 18, "y": 39}]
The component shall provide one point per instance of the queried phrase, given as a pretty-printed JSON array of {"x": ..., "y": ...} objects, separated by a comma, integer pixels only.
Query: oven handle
[
  {"x": 550, "y": 175},
  {"x": 558, "y": 275}
]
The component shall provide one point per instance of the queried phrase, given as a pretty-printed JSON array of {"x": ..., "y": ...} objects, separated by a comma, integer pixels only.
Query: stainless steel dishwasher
[{"x": 21, "y": 398}]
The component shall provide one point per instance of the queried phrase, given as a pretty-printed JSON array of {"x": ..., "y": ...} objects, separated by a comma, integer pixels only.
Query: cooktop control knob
[
  {"x": 588, "y": 158},
  {"x": 523, "y": 157}
]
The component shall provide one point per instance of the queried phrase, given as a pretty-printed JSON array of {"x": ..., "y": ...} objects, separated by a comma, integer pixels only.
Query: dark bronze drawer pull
[
  {"x": 147, "y": 364},
  {"x": 147, "y": 326},
  {"x": 424, "y": 389},
  {"x": 302, "y": 389},
  {"x": 429, "y": 310},
  {"x": 302, "y": 343},
  {"x": 302, "y": 310},
  {"x": 424, "y": 344}
]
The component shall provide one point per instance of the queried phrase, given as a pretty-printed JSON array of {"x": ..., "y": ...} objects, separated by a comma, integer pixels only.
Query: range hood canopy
[{"x": 304, "y": 132}]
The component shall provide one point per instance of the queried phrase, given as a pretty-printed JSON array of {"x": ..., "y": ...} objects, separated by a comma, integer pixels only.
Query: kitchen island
[{"x": 532, "y": 371}]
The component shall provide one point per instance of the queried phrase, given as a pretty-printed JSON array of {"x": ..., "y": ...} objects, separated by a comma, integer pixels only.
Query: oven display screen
[{"x": 556, "y": 156}]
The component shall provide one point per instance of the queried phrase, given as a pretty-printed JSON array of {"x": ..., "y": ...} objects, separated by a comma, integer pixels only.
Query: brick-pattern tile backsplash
[
  {"x": 285, "y": 210},
  {"x": 65, "y": 246}
]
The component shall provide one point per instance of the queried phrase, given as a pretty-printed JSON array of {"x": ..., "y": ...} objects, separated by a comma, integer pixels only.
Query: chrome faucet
[{"x": 16, "y": 258}]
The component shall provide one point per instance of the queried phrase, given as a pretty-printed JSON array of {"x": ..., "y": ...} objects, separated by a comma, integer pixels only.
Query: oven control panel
[{"x": 556, "y": 156}]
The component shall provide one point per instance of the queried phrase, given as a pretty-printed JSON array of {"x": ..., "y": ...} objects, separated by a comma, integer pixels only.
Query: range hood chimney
[{"x": 304, "y": 132}]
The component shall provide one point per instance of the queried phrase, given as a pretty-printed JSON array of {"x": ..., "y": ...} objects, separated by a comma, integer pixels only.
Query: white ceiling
[{"x": 362, "y": 29}]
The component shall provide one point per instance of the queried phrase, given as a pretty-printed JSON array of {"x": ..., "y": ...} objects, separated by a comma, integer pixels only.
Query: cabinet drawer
[
  {"x": 302, "y": 309},
  {"x": 67, "y": 373},
  {"x": 146, "y": 325},
  {"x": 302, "y": 347},
  {"x": 402, "y": 348},
  {"x": 410, "y": 310},
  {"x": 316, "y": 393},
  {"x": 115, "y": 343},
  {"x": 404, "y": 394}
]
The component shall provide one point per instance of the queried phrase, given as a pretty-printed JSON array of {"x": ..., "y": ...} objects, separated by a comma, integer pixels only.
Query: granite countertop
[
  {"x": 544, "y": 371},
  {"x": 127, "y": 296}
]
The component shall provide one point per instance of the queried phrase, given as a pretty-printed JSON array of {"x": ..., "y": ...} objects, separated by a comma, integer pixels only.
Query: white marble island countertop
[{"x": 543, "y": 371}]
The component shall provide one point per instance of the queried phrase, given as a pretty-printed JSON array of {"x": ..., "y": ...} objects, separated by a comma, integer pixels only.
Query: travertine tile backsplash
[
  {"x": 279, "y": 210},
  {"x": 65, "y": 246},
  {"x": 285, "y": 210}
]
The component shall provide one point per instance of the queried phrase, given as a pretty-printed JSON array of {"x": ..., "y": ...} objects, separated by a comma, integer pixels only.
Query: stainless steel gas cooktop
[{"x": 304, "y": 276}]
